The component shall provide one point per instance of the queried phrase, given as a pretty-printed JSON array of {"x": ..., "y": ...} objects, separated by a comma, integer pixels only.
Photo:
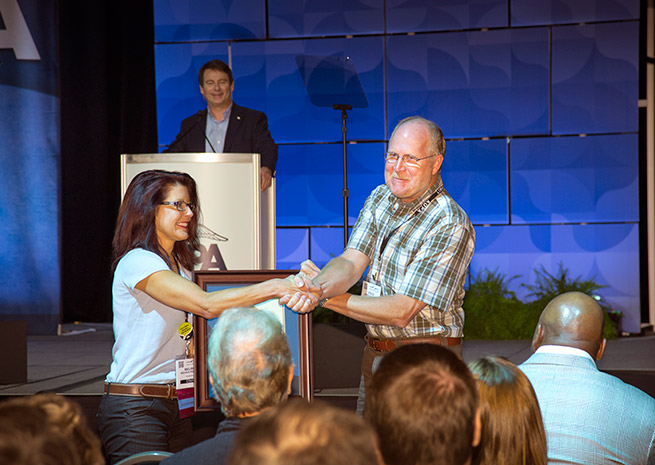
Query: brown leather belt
[
  {"x": 387, "y": 345},
  {"x": 158, "y": 391}
]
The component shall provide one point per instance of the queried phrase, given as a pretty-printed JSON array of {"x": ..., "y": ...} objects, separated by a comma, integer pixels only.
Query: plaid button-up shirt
[{"x": 420, "y": 252}]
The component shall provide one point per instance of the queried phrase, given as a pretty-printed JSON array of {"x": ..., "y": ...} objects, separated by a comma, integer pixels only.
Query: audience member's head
[
  {"x": 512, "y": 427},
  {"x": 249, "y": 361},
  {"x": 302, "y": 433},
  {"x": 424, "y": 407},
  {"x": 46, "y": 429},
  {"x": 572, "y": 319}
]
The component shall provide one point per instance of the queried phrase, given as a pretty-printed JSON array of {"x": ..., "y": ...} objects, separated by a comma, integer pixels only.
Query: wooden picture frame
[{"x": 300, "y": 343}]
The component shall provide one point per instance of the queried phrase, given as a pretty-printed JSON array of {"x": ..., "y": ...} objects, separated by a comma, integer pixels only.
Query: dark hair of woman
[{"x": 135, "y": 227}]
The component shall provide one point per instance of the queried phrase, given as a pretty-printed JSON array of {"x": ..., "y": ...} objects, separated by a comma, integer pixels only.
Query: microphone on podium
[
  {"x": 180, "y": 137},
  {"x": 206, "y": 138}
]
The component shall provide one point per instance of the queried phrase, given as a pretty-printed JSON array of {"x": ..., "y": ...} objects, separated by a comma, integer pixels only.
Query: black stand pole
[{"x": 344, "y": 192}]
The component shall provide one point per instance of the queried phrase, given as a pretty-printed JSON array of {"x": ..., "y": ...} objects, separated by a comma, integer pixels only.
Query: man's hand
[
  {"x": 309, "y": 269},
  {"x": 266, "y": 178},
  {"x": 306, "y": 298}
]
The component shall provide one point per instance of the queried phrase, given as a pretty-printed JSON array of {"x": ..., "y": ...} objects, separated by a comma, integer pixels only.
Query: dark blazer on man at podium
[{"x": 247, "y": 132}]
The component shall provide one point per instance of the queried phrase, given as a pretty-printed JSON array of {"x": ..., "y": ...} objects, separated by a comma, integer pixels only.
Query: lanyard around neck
[{"x": 422, "y": 206}]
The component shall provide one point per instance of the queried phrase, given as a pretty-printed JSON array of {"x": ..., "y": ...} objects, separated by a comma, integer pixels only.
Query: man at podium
[{"x": 225, "y": 127}]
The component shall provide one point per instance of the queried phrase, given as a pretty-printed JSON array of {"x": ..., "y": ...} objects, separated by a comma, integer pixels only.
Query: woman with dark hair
[
  {"x": 154, "y": 252},
  {"x": 512, "y": 427}
]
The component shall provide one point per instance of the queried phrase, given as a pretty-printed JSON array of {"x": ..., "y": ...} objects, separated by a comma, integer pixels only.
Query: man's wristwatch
[{"x": 322, "y": 302}]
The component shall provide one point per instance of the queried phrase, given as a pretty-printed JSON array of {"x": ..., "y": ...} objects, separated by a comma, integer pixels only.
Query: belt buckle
[
  {"x": 383, "y": 345},
  {"x": 390, "y": 345},
  {"x": 376, "y": 343}
]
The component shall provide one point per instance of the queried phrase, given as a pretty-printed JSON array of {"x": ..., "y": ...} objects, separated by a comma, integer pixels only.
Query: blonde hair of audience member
[
  {"x": 46, "y": 429},
  {"x": 512, "y": 428},
  {"x": 302, "y": 433}
]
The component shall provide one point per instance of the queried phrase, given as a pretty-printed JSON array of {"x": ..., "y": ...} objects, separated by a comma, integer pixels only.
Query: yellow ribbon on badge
[{"x": 185, "y": 330}]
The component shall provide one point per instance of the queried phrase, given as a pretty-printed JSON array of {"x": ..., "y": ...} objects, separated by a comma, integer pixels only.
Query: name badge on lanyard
[
  {"x": 371, "y": 289},
  {"x": 184, "y": 382},
  {"x": 184, "y": 375}
]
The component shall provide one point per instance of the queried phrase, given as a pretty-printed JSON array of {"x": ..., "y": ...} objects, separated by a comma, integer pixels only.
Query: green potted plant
[{"x": 493, "y": 311}]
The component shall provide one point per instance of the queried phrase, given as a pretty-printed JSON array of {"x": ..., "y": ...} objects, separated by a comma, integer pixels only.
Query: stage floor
[{"x": 76, "y": 362}]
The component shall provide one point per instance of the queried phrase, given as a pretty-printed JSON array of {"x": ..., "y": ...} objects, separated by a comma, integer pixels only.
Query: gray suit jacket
[{"x": 591, "y": 417}]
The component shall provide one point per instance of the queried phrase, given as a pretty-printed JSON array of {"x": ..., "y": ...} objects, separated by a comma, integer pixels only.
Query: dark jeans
[{"x": 129, "y": 425}]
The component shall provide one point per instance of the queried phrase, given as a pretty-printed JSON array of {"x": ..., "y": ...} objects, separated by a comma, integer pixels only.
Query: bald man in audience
[{"x": 590, "y": 417}]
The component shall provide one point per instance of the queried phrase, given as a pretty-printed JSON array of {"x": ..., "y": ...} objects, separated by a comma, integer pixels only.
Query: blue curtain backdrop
[
  {"x": 66, "y": 115},
  {"x": 29, "y": 165}
]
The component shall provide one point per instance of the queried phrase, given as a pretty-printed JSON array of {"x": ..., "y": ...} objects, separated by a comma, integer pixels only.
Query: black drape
[{"x": 108, "y": 107}]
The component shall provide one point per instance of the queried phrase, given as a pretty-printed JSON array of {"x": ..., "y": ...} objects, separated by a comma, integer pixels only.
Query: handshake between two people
[{"x": 308, "y": 293}]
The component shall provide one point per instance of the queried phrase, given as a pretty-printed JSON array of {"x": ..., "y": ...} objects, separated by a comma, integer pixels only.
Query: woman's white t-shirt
[{"x": 145, "y": 330}]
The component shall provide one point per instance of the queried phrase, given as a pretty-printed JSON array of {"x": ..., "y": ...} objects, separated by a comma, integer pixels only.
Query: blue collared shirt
[
  {"x": 563, "y": 350},
  {"x": 216, "y": 131}
]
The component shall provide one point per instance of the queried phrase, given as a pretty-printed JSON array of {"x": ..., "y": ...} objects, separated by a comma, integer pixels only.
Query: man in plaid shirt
[{"x": 417, "y": 243}]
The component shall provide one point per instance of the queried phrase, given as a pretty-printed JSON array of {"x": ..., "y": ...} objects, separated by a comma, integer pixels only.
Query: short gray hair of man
[
  {"x": 437, "y": 142},
  {"x": 249, "y": 359}
]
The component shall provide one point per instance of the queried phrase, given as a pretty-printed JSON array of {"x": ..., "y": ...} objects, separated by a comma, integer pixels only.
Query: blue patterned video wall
[
  {"x": 475, "y": 84},
  {"x": 589, "y": 179},
  {"x": 595, "y": 78},
  {"x": 538, "y": 102}
]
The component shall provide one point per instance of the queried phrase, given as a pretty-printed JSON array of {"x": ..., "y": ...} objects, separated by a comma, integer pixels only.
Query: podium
[{"x": 237, "y": 225}]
